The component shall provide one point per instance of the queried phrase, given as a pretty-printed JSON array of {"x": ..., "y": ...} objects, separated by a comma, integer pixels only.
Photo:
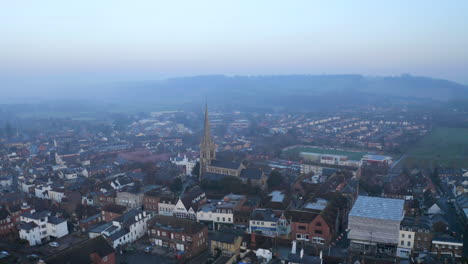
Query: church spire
[
  {"x": 207, "y": 146},
  {"x": 206, "y": 127}
]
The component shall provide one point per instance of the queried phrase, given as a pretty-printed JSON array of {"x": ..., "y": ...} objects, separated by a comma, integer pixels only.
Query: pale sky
[{"x": 111, "y": 40}]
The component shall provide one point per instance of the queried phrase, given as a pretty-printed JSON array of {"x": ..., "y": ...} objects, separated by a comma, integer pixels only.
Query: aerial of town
[
  {"x": 213, "y": 186},
  {"x": 234, "y": 132}
]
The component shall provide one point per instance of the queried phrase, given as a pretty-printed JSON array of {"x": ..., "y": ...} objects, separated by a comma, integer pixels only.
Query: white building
[
  {"x": 220, "y": 212},
  {"x": 166, "y": 207},
  {"x": 186, "y": 163},
  {"x": 125, "y": 229},
  {"x": 405, "y": 243},
  {"x": 6, "y": 181},
  {"x": 56, "y": 194},
  {"x": 38, "y": 227},
  {"x": 42, "y": 191},
  {"x": 133, "y": 200},
  {"x": 263, "y": 221}
]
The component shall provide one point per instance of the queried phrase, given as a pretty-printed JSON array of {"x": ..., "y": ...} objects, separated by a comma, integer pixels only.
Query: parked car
[
  {"x": 32, "y": 257},
  {"x": 148, "y": 250},
  {"x": 5, "y": 253},
  {"x": 54, "y": 244}
]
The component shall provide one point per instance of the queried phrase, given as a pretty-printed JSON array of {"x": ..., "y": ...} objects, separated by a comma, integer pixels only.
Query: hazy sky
[{"x": 107, "y": 40}]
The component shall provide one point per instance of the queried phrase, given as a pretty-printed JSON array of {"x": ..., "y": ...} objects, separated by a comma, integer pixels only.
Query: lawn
[
  {"x": 446, "y": 147},
  {"x": 352, "y": 155}
]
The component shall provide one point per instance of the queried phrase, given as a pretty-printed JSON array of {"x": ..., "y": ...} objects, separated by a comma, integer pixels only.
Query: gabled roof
[
  {"x": 301, "y": 216},
  {"x": 55, "y": 220},
  {"x": 36, "y": 215},
  {"x": 128, "y": 218}
]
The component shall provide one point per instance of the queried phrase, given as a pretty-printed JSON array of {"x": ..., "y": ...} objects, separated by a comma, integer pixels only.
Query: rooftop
[
  {"x": 277, "y": 196},
  {"x": 379, "y": 208}
]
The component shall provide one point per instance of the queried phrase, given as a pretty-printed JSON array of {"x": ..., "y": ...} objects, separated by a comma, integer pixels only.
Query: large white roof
[{"x": 379, "y": 208}]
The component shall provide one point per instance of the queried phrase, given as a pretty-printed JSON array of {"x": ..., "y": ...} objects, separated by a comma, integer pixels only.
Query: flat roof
[
  {"x": 277, "y": 196},
  {"x": 378, "y": 208},
  {"x": 376, "y": 157}
]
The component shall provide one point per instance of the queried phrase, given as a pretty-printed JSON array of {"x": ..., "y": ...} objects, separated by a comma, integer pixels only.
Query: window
[
  {"x": 403, "y": 235},
  {"x": 318, "y": 224},
  {"x": 318, "y": 232},
  {"x": 409, "y": 236},
  {"x": 302, "y": 228},
  {"x": 409, "y": 244},
  {"x": 402, "y": 243}
]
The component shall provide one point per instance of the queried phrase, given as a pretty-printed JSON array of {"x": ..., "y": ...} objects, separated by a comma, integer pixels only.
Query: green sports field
[
  {"x": 351, "y": 154},
  {"x": 446, "y": 147}
]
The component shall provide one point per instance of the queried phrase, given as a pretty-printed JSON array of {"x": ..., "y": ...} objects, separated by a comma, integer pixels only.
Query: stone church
[{"x": 213, "y": 169}]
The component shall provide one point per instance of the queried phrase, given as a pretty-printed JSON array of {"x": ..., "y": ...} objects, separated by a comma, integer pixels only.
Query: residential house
[
  {"x": 38, "y": 227},
  {"x": 124, "y": 229},
  {"x": 226, "y": 241}
]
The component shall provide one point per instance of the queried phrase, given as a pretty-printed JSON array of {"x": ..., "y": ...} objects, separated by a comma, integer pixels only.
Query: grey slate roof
[
  {"x": 263, "y": 214},
  {"x": 251, "y": 173},
  {"x": 36, "y": 215},
  {"x": 55, "y": 220},
  {"x": 378, "y": 208},
  {"x": 27, "y": 226},
  {"x": 225, "y": 164}
]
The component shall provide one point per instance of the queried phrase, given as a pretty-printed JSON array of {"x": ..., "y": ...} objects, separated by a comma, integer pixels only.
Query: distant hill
[{"x": 283, "y": 90}]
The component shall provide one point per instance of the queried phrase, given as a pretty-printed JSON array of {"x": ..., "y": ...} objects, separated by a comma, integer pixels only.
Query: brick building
[
  {"x": 111, "y": 211},
  {"x": 180, "y": 234},
  {"x": 309, "y": 226}
]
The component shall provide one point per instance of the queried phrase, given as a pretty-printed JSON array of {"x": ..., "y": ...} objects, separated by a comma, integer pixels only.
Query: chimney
[{"x": 293, "y": 249}]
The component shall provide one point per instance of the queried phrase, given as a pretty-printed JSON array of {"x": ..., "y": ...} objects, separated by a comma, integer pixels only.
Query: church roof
[
  {"x": 225, "y": 164},
  {"x": 252, "y": 173},
  {"x": 212, "y": 176}
]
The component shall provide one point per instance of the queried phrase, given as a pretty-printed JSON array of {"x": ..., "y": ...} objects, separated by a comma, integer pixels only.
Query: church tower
[{"x": 207, "y": 146}]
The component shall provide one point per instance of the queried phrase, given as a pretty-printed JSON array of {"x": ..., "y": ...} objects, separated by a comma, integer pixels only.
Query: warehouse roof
[{"x": 379, "y": 208}]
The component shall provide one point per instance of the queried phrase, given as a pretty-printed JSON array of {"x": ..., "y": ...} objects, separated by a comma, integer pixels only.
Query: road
[{"x": 142, "y": 258}]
